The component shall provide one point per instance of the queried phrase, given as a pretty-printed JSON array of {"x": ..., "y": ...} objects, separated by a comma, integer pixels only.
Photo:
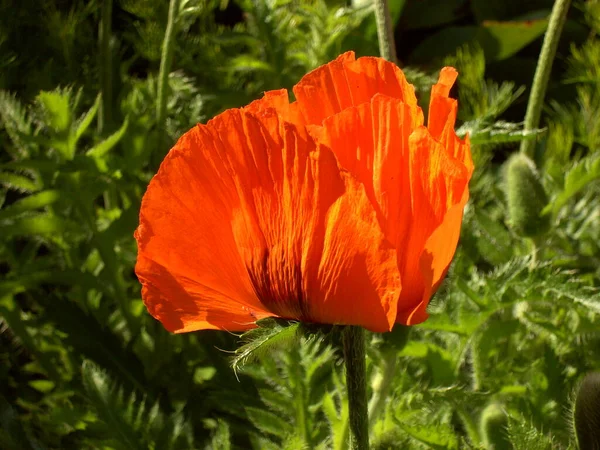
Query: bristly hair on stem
[
  {"x": 542, "y": 72},
  {"x": 165, "y": 67},
  {"x": 353, "y": 338},
  {"x": 385, "y": 31}
]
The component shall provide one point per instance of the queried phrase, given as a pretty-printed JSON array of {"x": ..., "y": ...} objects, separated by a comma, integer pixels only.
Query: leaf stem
[
  {"x": 165, "y": 66},
  {"x": 105, "y": 116},
  {"x": 354, "y": 355},
  {"x": 385, "y": 31},
  {"x": 542, "y": 72}
]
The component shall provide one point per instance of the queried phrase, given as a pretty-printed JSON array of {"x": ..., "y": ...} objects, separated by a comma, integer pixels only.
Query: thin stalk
[
  {"x": 165, "y": 65},
  {"x": 354, "y": 355},
  {"x": 385, "y": 31},
  {"x": 542, "y": 72},
  {"x": 106, "y": 82}
]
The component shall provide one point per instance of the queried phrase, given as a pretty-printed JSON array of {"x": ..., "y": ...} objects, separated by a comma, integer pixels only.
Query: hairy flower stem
[
  {"x": 385, "y": 31},
  {"x": 542, "y": 72},
  {"x": 165, "y": 67},
  {"x": 105, "y": 112},
  {"x": 356, "y": 382}
]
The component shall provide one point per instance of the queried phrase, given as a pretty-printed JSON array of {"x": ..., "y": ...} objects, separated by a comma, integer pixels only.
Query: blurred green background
[{"x": 92, "y": 96}]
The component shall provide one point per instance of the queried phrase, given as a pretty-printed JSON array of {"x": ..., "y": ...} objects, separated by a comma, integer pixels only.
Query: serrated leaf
[
  {"x": 42, "y": 224},
  {"x": 31, "y": 202},
  {"x": 437, "y": 437},
  {"x": 269, "y": 423},
  {"x": 126, "y": 421},
  {"x": 271, "y": 334},
  {"x": 101, "y": 149},
  {"x": 86, "y": 120},
  {"x": 31, "y": 164},
  {"x": 57, "y": 109},
  {"x": 576, "y": 179},
  {"x": 18, "y": 182},
  {"x": 94, "y": 341}
]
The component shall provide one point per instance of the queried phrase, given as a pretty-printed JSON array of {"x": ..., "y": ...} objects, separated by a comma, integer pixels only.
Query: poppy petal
[
  {"x": 357, "y": 279},
  {"x": 439, "y": 193},
  {"x": 436, "y": 257},
  {"x": 442, "y": 117},
  {"x": 189, "y": 266},
  {"x": 347, "y": 82},
  {"x": 371, "y": 142}
]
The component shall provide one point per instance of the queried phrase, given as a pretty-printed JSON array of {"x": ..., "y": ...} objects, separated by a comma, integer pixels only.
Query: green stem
[
  {"x": 105, "y": 113},
  {"x": 354, "y": 355},
  {"x": 382, "y": 385},
  {"x": 385, "y": 31},
  {"x": 542, "y": 72},
  {"x": 165, "y": 66}
]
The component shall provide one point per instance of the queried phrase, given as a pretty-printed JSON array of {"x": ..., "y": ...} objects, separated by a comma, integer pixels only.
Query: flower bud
[
  {"x": 586, "y": 416},
  {"x": 526, "y": 197}
]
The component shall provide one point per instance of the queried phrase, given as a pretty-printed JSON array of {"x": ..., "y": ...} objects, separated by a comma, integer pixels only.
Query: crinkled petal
[
  {"x": 438, "y": 194},
  {"x": 416, "y": 183},
  {"x": 188, "y": 262},
  {"x": 347, "y": 82}
]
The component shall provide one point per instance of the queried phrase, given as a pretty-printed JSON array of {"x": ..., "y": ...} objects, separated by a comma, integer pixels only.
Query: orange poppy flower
[{"x": 338, "y": 208}]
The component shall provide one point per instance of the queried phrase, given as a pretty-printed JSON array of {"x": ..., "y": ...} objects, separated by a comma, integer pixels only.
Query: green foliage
[
  {"x": 82, "y": 364},
  {"x": 128, "y": 422}
]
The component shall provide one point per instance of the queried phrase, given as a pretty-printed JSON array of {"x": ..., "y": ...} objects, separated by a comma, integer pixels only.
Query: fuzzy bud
[
  {"x": 493, "y": 425},
  {"x": 586, "y": 416},
  {"x": 526, "y": 197}
]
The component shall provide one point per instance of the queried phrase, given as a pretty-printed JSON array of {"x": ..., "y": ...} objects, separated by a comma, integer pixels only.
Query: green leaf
[
  {"x": 86, "y": 120},
  {"x": 246, "y": 63},
  {"x": 268, "y": 422},
  {"x": 270, "y": 335},
  {"x": 431, "y": 13},
  {"x": 576, "y": 179},
  {"x": 101, "y": 149},
  {"x": 494, "y": 242},
  {"x": 31, "y": 202},
  {"x": 56, "y": 106},
  {"x": 125, "y": 421},
  {"x": 12, "y": 432},
  {"x": 18, "y": 182},
  {"x": 506, "y": 9},
  {"x": 43, "y": 386},
  {"x": 504, "y": 39},
  {"x": 523, "y": 435},
  {"x": 42, "y": 224},
  {"x": 443, "y": 43},
  {"x": 499, "y": 40},
  {"x": 94, "y": 341},
  {"x": 31, "y": 164},
  {"x": 437, "y": 437},
  {"x": 17, "y": 123}
]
